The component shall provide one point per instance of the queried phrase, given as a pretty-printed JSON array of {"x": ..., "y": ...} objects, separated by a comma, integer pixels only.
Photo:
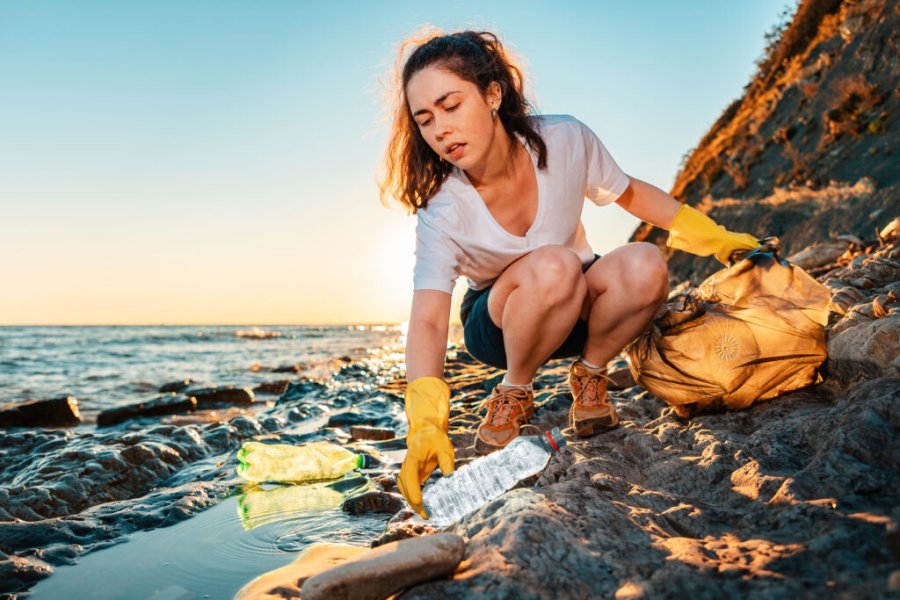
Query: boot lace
[
  {"x": 593, "y": 389},
  {"x": 501, "y": 403}
]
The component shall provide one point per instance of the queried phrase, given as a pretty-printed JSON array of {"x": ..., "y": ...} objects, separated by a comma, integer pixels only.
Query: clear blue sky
[{"x": 214, "y": 161}]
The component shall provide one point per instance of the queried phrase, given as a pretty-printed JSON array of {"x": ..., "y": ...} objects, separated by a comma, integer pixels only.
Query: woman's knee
[
  {"x": 645, "y": 273},
  {"x": 554, "y": 272}
]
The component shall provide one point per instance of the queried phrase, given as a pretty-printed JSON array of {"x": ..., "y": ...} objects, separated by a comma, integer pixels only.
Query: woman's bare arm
[
  {"x": 649, "y": 203},
  {"x": 426, "y": 338}
]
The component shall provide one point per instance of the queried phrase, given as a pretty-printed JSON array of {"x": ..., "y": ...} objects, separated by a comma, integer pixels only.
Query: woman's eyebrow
[{"x": 436, "y": 102}]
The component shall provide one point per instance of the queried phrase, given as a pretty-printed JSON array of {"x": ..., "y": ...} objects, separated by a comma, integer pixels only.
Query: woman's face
[{"x": 452, "y": 115}]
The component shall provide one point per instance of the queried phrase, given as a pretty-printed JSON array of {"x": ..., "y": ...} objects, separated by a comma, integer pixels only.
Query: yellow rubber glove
[
  {"x": 427, "y": 444},
  {"x": 694, "y": 232}
]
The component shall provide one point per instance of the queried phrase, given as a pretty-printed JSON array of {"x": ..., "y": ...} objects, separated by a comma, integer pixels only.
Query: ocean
[
  {"x": 152, "y": 508},
  {"x": 109, "y": 366}
]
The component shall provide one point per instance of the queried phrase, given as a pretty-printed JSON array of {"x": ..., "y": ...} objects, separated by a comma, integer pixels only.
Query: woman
[{"x": 498, "y": 194}]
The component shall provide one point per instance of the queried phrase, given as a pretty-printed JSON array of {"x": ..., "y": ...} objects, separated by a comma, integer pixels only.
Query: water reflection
[{"x": 261, "y": 506}]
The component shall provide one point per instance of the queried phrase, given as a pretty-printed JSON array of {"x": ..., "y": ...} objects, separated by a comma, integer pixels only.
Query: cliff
[{"x": 808, "y": 153}]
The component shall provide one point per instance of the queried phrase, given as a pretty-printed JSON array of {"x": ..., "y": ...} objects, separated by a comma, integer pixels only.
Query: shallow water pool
[{"x": 218, "y": 551}]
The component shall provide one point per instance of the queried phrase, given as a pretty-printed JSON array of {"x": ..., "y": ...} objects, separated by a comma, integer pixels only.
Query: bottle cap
[
  {"x": 556, "y": 439},
  {"x": 363, "y": 461}
]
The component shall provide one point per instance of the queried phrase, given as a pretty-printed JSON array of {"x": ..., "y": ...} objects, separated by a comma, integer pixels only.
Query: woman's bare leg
[
  {"x": 536, "y": 301},
  {"x": 625, "y": 289}
]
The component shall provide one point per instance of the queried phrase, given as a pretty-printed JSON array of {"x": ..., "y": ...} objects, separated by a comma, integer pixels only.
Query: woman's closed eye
[{"x": 427, "y": 122}]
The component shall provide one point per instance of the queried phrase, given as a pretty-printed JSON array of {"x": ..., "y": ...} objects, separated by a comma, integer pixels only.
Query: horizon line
[{"x": 323, "y": 324}]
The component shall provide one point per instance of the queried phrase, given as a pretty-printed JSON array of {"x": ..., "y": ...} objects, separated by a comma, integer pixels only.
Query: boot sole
[
  {"x": 482, "y": 447},
  {"x": 592, "y": 427}
]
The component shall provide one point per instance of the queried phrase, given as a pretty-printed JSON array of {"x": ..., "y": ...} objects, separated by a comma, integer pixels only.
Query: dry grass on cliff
[
  {"x": 829, "y": 196},
  {"x": 792, "y": 58},
  {"x": 851, "y": 108}
]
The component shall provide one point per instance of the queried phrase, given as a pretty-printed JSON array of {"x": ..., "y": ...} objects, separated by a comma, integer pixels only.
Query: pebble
[{"x": 373, "y": 502}]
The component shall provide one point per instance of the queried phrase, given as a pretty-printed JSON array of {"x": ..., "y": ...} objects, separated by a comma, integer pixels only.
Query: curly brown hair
[{"x": 413, "y": 171}]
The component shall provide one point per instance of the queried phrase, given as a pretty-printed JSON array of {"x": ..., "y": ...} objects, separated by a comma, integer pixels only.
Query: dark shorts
[{"x": 484, "y": 340}]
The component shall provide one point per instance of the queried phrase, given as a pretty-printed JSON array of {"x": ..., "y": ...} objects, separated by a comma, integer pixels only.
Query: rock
[
  {"x": 272, "y": 387},
  {"x": 163, "y": 405},
  {"x": 289, "y": 368},
  {"x": 18, "y": 573},
  {"x": 374, "y": 502},
  {"x": 301, "y": 390},
  {"x": 890, "y": 231},
  {"x": 222, "y": 395},
  {"x": 850, "y": 238},
  {"x": 818, "y": 255},
  {"x": 285, "y": 582},
  {"x": 892, "y": 540},
  {"x": 845, "y": 297},
  {"x": 866, "y": 348},
  {"x": 355, "y": 417},
  {"x": 175, "y": 386},
  {"x": 386, "y": 482},
  {"x": 403, "y": 530},
  {"x": 64, "y": 473},
  {"x": 851, "y": 27},
  {"x": 361, "y": 432},
  {"x": 388, "y": 569},
  {"x": 54, "y": 412},
  {"x": 894, "y": 581}
]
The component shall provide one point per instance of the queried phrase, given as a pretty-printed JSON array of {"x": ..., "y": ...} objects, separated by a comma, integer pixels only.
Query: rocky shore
[
  {"x": 65, "y": 492},
  {"x": 792, "y": 497}
]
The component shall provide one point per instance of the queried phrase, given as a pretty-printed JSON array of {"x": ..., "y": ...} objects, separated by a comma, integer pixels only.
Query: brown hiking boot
[
  {"x": 592, "y": 411},
  {"x": 508, "y": 408}
]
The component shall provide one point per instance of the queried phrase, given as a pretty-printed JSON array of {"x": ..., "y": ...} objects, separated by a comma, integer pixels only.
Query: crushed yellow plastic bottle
[{"x": 315, "y": 461}]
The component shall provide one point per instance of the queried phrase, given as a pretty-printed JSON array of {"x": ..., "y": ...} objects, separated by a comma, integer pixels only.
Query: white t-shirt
[{"x": 456, "y": 235}]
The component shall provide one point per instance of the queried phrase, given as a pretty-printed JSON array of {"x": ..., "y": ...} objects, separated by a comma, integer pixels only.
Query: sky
[{"x": 216, "y": 161}]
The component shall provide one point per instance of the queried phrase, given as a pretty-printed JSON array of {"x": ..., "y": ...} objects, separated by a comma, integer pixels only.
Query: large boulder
[
  {"x": 227, "y": 394},
  {"x": 162, "y": 405},
  {"x": 388, "y": 569},
  {"x": 54, "y": 412}
]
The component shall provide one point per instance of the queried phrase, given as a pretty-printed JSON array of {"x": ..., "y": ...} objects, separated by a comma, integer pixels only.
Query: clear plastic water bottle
[
  {"x": 475, "y": 484},
  {"x": 316, "y": 461}
]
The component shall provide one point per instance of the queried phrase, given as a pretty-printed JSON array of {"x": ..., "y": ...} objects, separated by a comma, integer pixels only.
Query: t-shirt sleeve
[
  {"x": 437, "y": 259},
  {"x": 605, "y": 180}
]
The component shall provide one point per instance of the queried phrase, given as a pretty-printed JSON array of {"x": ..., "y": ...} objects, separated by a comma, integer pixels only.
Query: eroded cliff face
[{"x": 809, "y": 152}]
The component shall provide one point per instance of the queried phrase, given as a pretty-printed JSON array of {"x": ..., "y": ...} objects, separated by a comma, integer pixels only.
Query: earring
[{"x": 494, "y": 114}]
